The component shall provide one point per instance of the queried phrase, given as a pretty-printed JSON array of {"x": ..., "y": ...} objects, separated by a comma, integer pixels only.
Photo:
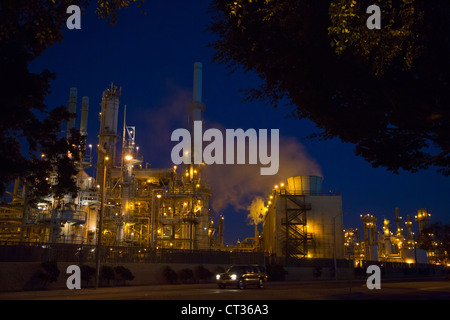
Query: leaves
[
  {"x": 28, "y": 128},
  {"x": 385, "y": 91},
  {"x": 109, "y": 9}
]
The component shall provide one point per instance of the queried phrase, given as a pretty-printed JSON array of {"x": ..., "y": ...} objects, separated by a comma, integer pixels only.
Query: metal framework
[{"x": 294, "y": 226}]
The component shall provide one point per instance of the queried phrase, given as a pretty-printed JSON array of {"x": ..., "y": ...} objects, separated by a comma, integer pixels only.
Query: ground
[{"x": 305, "y": 290}]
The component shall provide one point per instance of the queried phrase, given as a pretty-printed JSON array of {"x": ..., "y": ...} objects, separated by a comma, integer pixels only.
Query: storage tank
[{"x": 309, "y": 185}]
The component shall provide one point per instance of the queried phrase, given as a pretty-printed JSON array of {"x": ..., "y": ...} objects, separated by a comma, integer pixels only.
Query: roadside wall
[
  {"x": 16, "y": 276},
  {"x": 19, "y": 276}
]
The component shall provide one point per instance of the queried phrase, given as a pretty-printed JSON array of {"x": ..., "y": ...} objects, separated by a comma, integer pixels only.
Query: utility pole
[{"x": 100, "y": 226}]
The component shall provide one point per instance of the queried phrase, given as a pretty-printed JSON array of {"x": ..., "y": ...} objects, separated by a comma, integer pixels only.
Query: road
[{"x": 323, "y": 290}]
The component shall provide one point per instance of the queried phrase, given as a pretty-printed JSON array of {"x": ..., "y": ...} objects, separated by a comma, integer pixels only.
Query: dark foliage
[
  {"x": 106, "y": 274},
  {"x": 123, "y": 274},
  {"x": 48, "y": 272},
  {"x": 202, "y": 274},
  {"x": 436, "y": 238},
  {"x": 385, "y": 91},
  {"x": 87, "y": 273},
  {"x": 169, "y": 275},
  {"x": 186, "y": 276},
  {"x": 28, "y": 127}
]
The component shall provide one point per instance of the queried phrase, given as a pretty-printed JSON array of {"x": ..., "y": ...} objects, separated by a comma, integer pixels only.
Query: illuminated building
[
  {"x": 302, "y": 221},
  {"x": 386, "y": 246}
]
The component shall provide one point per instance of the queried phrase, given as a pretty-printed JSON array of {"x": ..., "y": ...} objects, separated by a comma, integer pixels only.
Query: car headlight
[
  {"x": 233, "y": 277},
  {"x": 217, "y": 276}
]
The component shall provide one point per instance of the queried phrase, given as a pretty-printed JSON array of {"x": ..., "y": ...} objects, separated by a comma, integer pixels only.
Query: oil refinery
[
  {"x": 388, "y": 246},
  {"x": 129, "y": 204},
  {"x": 140, "y": 206}
]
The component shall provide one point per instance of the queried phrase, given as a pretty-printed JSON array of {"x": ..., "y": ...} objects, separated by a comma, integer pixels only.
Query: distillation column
[
  {"x": 422, "y": 219},
  {"x": 398, "y": 224},
  {"x": 108, "y": 129},
  {"x": 409, "y": 233},
  {"x": 128, "y": 182},
  {"x": 370, "y": 241}
]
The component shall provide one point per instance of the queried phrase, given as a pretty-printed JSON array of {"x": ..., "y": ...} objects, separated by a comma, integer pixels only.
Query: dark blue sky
[{"x": 151, "y": 57}]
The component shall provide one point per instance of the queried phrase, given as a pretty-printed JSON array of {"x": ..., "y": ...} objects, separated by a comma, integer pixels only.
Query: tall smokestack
[
  {"x": 72, "y": 109},
  {"x": 195, "y": 114},
  {"x": 84, "y": 116},
  {"x": 197, "y": 93},
  {"x": 197, "y": 107}
]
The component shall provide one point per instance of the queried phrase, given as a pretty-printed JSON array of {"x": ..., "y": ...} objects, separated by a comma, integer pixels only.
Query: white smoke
[
  {"x": 237, "y": 185},
  {"x": 257, "y": 211},
  {"x": 233, "y": 185}
]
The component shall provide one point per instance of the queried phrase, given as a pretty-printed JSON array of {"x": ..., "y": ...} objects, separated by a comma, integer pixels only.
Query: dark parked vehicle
[{"x": 241, "y": 276}]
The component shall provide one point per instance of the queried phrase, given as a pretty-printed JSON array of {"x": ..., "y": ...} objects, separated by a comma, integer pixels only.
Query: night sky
[{"x": 151, "y": 57}]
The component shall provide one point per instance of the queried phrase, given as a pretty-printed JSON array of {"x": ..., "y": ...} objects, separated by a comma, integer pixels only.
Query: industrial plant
[
  {"x": 129, "y": 204},
  {"x": 388, "y": 246}
]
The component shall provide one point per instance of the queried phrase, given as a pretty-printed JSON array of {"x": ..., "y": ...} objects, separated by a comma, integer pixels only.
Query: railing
[
  {"x": 79, "y": 216},
  {"x": 69, "y": 215},
  {"x": 309, "y": 193},
  {"x": 20, "y": 252}
]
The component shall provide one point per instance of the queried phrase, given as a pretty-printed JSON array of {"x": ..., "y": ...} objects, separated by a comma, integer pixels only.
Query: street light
[
  {"x": 100, "y": 224},
  {"x": 158, "y": 195},
  {"x": 128, "y": 157}
]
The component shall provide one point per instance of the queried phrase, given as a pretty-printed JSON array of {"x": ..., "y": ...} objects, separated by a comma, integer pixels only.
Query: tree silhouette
[
  {"x": 385, "y": 91},
  {"x": 31, "y": 146}
]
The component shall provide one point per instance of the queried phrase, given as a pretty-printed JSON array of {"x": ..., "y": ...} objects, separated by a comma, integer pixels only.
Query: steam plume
[
  {"x": 237, "y": 185},
  {"x": 257, "y": 210}
]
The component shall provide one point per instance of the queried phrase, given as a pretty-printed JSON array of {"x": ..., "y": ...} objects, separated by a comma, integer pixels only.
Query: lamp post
[
  {"x": 100, "y": 225},
  {"x": 335, "y": 245},
  {"x": 152, "y": 238}
]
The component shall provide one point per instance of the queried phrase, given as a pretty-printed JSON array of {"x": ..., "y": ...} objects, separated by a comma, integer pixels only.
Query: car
[{"x": 241, "y": 276}]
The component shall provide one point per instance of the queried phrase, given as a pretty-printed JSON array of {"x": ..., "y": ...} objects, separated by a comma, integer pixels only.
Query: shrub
[
  {"x": 48, "y": 272},
  {"x": 187, "y": 276},
  {"x": 202, "y": 274},
  {"x": 122, "y": 274},
  {"x": 169, "y": 275},
  {"x": 51, "y": 271},
  {"x": 87, "y": 273},
  {"x": 106, "y": 274},
  {"x": 317, "y": 271}
]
